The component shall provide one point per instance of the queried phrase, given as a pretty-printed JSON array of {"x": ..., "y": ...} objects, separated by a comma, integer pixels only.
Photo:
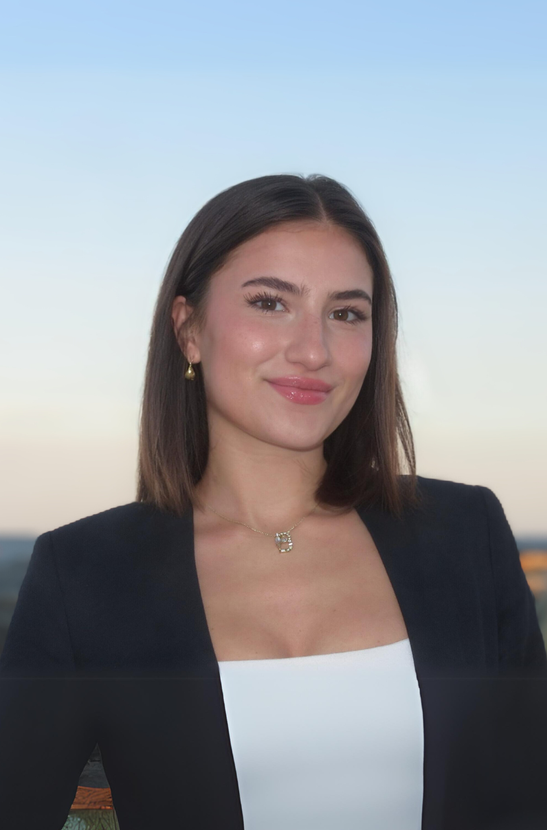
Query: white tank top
[{"x": 329, "y": 741}]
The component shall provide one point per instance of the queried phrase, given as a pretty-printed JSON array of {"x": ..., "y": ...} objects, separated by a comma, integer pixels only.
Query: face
[{"x": 256, "y": 332}]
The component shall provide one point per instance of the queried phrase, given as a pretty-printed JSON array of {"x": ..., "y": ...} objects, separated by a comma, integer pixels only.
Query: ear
[{"x": 180, "y": 311}]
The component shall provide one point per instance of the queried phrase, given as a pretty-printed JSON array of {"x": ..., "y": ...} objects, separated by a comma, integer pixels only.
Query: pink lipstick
[{"x": 298, "y": 395}]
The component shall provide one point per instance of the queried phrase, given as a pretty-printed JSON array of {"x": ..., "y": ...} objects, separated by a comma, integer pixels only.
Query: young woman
[{"x": 288, "y": 629}]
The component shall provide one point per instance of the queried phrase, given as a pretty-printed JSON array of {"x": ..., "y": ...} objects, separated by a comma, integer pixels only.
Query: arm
[
  {"x": 521, "y": 645},
  {"x": 497, "y": 763},
  {"x": 46, "y": 729}
]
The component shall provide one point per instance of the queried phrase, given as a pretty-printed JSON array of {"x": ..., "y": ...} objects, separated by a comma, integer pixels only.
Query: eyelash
[{"x": 265, "y": 296}]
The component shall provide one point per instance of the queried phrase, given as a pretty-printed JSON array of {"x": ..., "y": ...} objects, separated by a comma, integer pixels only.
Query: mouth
[
  {"x": 298, "y": 395},
  {"x": 296, "y": 382}
]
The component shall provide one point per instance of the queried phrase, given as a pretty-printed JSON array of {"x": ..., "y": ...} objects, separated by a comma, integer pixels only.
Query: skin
[{"x": 266, "y": 452}]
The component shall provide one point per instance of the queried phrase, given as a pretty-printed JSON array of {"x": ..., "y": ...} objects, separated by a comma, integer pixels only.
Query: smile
[{"x": 305, "y": 396}]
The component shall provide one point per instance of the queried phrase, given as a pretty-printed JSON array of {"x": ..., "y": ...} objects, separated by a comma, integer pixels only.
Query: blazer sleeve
[
  {"x": 46, "y": 728},
  {"x": 521, "y": 645}
]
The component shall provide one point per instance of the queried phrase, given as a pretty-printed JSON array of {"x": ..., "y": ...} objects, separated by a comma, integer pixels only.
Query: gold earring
[{"x": 189, "y": 373}]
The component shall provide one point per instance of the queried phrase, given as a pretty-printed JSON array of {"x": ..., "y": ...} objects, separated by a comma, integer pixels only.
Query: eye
[{"x": 264, "y": 297}]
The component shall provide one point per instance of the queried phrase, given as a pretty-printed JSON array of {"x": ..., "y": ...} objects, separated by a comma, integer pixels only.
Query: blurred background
[{"x": 121, "y": 119}]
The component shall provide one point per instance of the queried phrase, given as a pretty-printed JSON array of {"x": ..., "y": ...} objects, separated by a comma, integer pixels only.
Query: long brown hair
[{"x": 367, "y": 452}]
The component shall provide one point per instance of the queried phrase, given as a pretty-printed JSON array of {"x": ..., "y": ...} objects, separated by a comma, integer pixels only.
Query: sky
[{"x": 120, "y": 120}]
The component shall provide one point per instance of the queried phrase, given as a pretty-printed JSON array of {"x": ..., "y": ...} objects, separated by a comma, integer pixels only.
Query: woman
[{"x": 288, "y": 629}]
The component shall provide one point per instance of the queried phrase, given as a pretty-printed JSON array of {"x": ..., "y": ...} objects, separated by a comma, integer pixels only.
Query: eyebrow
[{"x": 299, "y": 291}]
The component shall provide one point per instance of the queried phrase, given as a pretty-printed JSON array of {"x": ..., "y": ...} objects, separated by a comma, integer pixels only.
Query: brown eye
[
  {"x": 273, "y": 302},
  {"x": 343, "y": 311},
  {"x": 357, "y": 311},
  {"x": 264, "y": 297}
]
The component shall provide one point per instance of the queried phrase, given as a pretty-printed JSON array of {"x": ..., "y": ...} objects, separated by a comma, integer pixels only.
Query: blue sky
[
  {"x": 295, "y": 35},
  {"x": 120, "y": 120}
]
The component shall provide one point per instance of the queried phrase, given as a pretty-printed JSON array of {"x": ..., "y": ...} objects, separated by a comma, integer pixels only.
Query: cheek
[
  {"x": 246, "y": 344},
  {"x": 234, "y": 352},
  {"x": 355, "y": 356}
]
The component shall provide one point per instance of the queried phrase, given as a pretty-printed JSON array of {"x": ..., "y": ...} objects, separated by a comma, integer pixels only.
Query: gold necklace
[{"x": 282, "y": 539}]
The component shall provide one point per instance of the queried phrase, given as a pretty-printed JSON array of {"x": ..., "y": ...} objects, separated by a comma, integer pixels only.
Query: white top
[{"x": 329, "y": 741}]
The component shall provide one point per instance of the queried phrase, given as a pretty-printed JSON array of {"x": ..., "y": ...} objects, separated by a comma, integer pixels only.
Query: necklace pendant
[{"x": 283, "y": 541}]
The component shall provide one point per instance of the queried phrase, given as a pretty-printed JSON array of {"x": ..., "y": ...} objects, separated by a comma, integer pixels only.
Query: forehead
[{"x": 303, "y": 251}]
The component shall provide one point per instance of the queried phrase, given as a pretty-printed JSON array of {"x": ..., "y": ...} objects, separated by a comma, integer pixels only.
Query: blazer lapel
[
  {"x": 435, "y": 593},
  {"x": 431, "y": 589}
]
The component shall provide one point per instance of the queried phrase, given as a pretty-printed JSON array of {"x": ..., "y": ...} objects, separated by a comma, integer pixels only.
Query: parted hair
[{"x": 370, "y": 455}]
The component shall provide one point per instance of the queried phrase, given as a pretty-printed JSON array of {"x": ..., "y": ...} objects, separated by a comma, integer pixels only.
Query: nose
[{"x": 308, "y": 341}]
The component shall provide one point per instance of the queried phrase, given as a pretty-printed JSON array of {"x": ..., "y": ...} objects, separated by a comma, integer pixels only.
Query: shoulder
[
  {"x": 439, "y": 489},
  {"x": 460, "y": 509},
  {"x": 110, "y": 546},
  {"x": 114, "y": 519},
  {"x": 454, "y": 497},
  {"x": 124, "y": 526}
]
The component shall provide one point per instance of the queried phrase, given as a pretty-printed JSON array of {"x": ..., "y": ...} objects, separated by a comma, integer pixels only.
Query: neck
[{"x": 264, "y": 496}]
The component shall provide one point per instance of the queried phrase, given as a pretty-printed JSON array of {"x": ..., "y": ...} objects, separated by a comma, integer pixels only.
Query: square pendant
[{"x": 283, "y": 542}]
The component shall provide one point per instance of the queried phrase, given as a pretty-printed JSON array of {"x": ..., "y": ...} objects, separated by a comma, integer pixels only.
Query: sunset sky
[{"x": 120, "y": 120}]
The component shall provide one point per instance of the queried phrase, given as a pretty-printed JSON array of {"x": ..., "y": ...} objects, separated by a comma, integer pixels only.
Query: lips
[{"x": 302, "y": 383}]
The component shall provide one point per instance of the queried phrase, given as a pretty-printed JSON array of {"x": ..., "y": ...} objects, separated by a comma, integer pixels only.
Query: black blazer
[{"x": 109, "y": 645}]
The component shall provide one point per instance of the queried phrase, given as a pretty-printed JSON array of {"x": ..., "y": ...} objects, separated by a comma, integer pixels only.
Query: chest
[{"x": 330, "y": 593}]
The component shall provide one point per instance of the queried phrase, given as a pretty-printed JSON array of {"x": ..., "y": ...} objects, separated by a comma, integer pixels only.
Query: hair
[{"x": 368, "y": 451}]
